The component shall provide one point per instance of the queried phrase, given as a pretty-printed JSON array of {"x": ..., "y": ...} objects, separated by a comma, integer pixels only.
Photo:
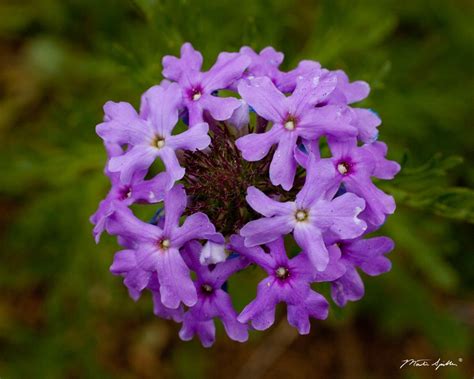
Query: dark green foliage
[{"x": 63, "y": 315}]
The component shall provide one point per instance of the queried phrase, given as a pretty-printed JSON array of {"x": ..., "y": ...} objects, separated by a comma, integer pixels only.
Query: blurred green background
[{"x": 62, "y": 315}]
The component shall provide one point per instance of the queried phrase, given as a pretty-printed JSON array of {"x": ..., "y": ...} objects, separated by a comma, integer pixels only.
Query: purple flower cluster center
[{"x": 243, "y": 177}]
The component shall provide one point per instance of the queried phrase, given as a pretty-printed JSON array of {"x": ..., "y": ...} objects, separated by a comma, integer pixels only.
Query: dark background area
[{"x": 63, "y": 315}]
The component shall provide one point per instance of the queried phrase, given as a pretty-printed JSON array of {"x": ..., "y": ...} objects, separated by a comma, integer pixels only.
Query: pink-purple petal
[
  {"x": 310, "y": 239},
  {"x": 340, "y": 216},
  {"x": 262, "y": 95},
  {"x": 220, "y": 108},
  {"x": 264, "y": 230},
  {"x": 175, "y": 281},
  {"x": 196, "y": 226},
  {"x": 261, "y": 311},
  {"x": 228, "y": 68},
  {"x": 266, "y": 206},
  {"x": 255, "y": 147},
  {"x": 190, "y": 60},
  {"x": 163, "y": 104},
  {"x": 138, "y": 158},
  {"x": 283, "y": 165},
  {"x": 347, "y": 288}
]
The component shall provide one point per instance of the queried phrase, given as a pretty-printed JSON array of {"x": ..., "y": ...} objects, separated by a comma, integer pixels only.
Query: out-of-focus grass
[{"x": 63, "y": 315}]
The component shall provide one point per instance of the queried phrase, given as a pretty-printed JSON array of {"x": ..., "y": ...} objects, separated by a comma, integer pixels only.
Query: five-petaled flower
[
  {"x": 198, "y": 87},
  {"x": 314, "y": 212},
  {"x": 157, "y": 249},
  {"x": 288, "y": 281},
  {"x": 213, "y": 301},
  {"x": 150, "y": 136},
  {"x": 294, "y": 118}
]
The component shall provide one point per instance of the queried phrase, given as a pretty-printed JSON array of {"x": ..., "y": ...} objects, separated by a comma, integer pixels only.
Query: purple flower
[
  {"x": 288, "y": 281},
  {"x": 157, "y": 249},
  {"x": 265, "y": 63},
  {"x": 198, "y": 86},
  {"x": 137, "y": 191},
  {"x": 346, "y": 92},
  {"x": 366, "y": 122},
  {"x": 247, "y": 187},
  {"x": 293, "y": 117},
  {"x": 287, "y": 80},
  {"x": 150, "y": 136},
  {"x": 213, "y": 301},
  {"x": 366, "y": 254},
  {"x": 136, "y": 279},
  {"x": 240, "y": 118},
  {"x": 159, "y": 309},
  {"x": 356, "y": 165},
  {"x": 313, "y": 213}
]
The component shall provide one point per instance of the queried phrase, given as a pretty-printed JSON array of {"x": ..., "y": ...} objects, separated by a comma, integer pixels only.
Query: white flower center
[
  {"x": 128, "y": 194},
  {"x": 343, "y": 168},
  {"x": 290, "y": 125},
  {"x": 165, "y": 244},
  {"x": 301, "y": 215},
  {"x": 159, "y": 142},
  {"x": 197, "y": 96},
  {"x": 282, "y": 272},
  {"x": 206, "y": 288}
]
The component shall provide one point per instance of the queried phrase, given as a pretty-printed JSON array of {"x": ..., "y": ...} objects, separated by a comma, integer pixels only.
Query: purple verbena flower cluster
[{"x": 238, "y": 179}]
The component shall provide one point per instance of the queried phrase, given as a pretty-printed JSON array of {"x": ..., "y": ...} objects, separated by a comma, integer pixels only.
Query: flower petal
[
  {"x": 123, "y": 223},
  {"x": 175, "y": 204},
  {"x": 124, "y": 261},
  {"x": 137, "y": 159},
  {"x": 133, "y": 132},
  {"x": 378, "y": 203},
  {"x": 266, "y": 206},
  {"x": 347, "y": 288},
  {"x": 163, "y": 312},
  {"x": 206, "y": 330},
  {"x": 175, "y": 281},
  {"x": 283, "y": 166},
  {"x": 163, "y": 106},
  {"x": 235, "y": 330},
  {"x": 212, "y": 253},
  {"x": 311, "y": 89},
  {"x": 173, "y": 168},
  {"x": 224, "y": 270},
  {"x": 330, "y": 120},
  {"x": 366, "y": 122},
  {"x": 315, "y": 305},
  {"x": 262, "y": 95},
  {"x": 255, "y": 146},
  {"x": 354, "y": 91},
  {"x": 322, "y": 181},
  {"x": 340, "y": 216},
  {"x": 261, "y": 311},
  {"x": 309, "y": 238},
  {"x": 190, "y": 60},
  {"x": 383, "y": 168},
  {"x": 151, "y": 191},
  {"x": 228, "y": 68},
  {"x": 120, "y": 111},
  {"x": 196, "y": 226},
  {"x": 220, "y": 108},
  {"x": 369, "y": 253},
  {"x": 264, "y": 230},
  {"x": 195, "y": 138},
  {"x": 287, "y": 81},
  {"x": 240, "y": 118},
  {"x": 253, "y": 254}
]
